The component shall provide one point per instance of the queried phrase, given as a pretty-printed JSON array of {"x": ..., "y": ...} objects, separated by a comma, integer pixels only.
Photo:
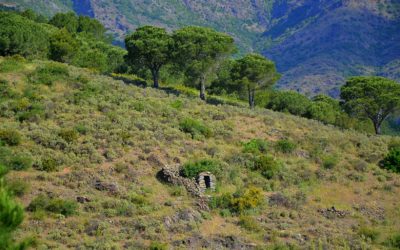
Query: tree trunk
[
  {"x": 156, "y": 75},
  {"x": 202, "y": 90},
  {"x": 377, "y": 126},
  {"x": 251, "y": 99}
]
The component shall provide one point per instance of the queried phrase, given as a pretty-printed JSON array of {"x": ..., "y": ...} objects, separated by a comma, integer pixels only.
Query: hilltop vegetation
[{"x": 317, "y": 45}]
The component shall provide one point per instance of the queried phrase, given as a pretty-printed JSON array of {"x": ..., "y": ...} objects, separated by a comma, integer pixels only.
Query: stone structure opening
[{"x": 207, "y": 181}]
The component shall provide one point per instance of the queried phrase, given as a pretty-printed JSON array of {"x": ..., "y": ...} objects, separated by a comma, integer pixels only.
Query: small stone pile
[{"x": 332, "y": 213}]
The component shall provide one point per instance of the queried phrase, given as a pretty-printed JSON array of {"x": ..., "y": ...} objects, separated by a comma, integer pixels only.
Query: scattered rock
[
  {"x": 82, "y": 199},
  {"x": 154, "y": 160},
  {"x": 377, "y": 213},
  {"x": 110, "y": 187},
  {"x": 332, "y": 213},
  {"x": 219, "y": 242},
  {"x": 279, "y": 199}
]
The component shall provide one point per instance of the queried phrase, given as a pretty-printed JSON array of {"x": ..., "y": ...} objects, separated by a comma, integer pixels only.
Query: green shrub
[
  {"x": 49, "y": 73},
  {"x": 195, "y": 128},
  {"x": 329, "y": 161},
  {"x": 158, "y": 246},
  {"x": 48, "y": 164},
  {"x": 249, "y": 223},
  {"x": 238, "y": 202},
  {"x": 392, "y": 160},
  {"x": 267, "y": 166},
  {"x": 177, "y": 104},
  {"x": 33, "y": 114},
  {"x": 369, "y": 233},
  {"x": 20, "y": 162},
  {"x": 53, "y": 205},
  {"x": 11, "y": 137},
  {"x": 393, "y": 241},
  {"x": 255, "y": 146},
  {"x": 69, "y": 135},
  {"x": 192, "y": 169},
  {"x": 285, "y": 146},
  {"x": 13, "y": 63},
  {"x": 17, "y": 187},
  {"x": 246, "y": 199},
  {"x": 63, "y": 207}
]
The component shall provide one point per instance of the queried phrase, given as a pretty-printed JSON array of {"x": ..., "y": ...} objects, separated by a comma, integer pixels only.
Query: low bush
[
  {"x": 192, "y": 169},
  {"x": 249, "y": 223},
  {"x": 48, "y": 164},
  {"x": 17, "y": 187},
  {"x": 195, "y": 128},
  {"x": 393, "y": 241},
  {"x": 49, "y": 73},
  {"x": 13, "y": 63},
  {"x": 158, "y": 246},
  {"x": 392, "y": 160},
  {"x": 20, "y": 162},
  {"x": 369, "y": 233},
  {"x": 239, "y": 202},
  {"x": 10, "y": 137},
  {"x": 69, "y": 135},
  {"x": 285, "y": 146},
  {"x": 267, "y": 166},
  {"x": 255, "y": 146},
  {"x": 53, "y": 205},
  {"x": 329, "y": 161}
]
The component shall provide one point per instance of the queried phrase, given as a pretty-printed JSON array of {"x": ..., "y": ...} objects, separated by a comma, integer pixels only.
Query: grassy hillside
[{"x": 72, "y": 133}]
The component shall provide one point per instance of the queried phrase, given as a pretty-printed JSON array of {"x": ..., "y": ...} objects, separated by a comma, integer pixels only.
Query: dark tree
[
  {"x": 199, "y": 52},
  {"x": 149, "y": 47},
  {"x": 255, "y": 72},
  {"x": 371, "y": 97}
]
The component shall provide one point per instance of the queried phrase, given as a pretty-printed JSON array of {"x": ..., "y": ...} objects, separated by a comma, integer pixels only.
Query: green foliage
[
  {"x": 69, "y": 135},
  {"x": 149, "y": 47},
  {"x": 20, "y": 161},
  {"x": 92, "y": 27},
  {"x": 249, "y": 223},
  {"x": 12, "y": 63},
  {"x": 192, "y": 169},
  {"x": 54, "y": 205},
  {"x": 289, "y": 101},
  {"x": 369, "y": 233},
  {"x": 195, "y": 128},
  {"x": 374, "y": 98},
  {"x": 285, "y": 146},
  {"x": 19, "y": 35},
  {"x": 68, "y": 21},
  {"x": 256, "y": 73},
  {"x": 255, "y": 146},
  {"x": 17, "y": 187},
  {"x": 267, "y": 166},
  {"x": 392, "y": 160},
  {"x": 63, "y": 46},
  {"x": 239, "y": 202},
  {"x": 49, "y": 73},
  {"x": 198, "y": 52},
  {"x": 158, "y": 246},
  {"x": 393, "y": 241},
  {"x": 10, "y": 136},
  {"x": 329, "y": 161},
  {"x": 48, "y": 164}
]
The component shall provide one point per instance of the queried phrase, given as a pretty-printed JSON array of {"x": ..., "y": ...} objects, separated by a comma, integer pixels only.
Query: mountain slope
[
  {"x": 316, "y": 44},
  {"x": 89, "y": 138}
]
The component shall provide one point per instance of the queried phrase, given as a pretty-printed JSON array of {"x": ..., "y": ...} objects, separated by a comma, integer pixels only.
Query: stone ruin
[
  {"x": 196, "y": 187},
  {"x": 206, "y": 180}
]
